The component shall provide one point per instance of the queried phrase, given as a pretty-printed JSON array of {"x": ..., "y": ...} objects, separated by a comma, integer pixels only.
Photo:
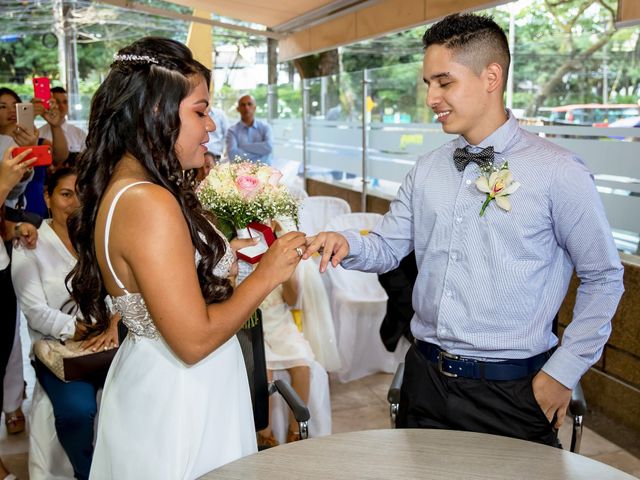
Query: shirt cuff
[
  {"x": 565, "y": 367},
  {"x": 355, "y": 242},
  {"x": 68, "y": 331}
]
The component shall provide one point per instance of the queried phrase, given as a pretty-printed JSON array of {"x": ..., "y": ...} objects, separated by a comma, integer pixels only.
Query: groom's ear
[{"x": 494, "y": 77}]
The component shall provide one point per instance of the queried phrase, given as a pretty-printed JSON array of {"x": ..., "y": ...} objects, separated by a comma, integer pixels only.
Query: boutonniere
[{"x": 498, "y": 184}]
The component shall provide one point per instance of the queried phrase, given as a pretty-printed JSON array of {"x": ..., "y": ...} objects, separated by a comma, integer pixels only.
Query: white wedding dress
[{"x": 160, "y": 418}]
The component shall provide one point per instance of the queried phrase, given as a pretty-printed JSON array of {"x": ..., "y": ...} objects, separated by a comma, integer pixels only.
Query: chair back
[
  {"x": 364, "y": 222},
  {"x": 251, "y": 341},
  {"x": 352, "y": 283},
  {"x": 316, "y": 212}
]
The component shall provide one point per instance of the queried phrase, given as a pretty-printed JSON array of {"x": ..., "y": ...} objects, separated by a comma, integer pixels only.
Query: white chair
[
  {"x": 358, "y": 306},
  {"x": 316, "y": 212}
]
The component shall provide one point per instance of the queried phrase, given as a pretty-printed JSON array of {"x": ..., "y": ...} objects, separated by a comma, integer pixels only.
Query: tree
[{"x": 573, "y": 18}]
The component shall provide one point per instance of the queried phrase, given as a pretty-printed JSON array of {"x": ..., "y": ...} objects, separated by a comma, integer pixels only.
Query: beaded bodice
[
  {"x": 135, "y": 313},
  {"x": 131, "y": 306}
]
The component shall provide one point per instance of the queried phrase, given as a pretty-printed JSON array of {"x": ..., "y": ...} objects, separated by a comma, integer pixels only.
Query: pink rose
[{"x": 247, "y": 185}]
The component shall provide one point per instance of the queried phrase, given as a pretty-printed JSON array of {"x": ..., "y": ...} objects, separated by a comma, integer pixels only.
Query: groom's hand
[
  {"x": 552, "y": 396},
  {"x": 332, "y": 246}
]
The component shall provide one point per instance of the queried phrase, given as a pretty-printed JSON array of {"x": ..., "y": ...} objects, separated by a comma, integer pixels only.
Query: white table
[{"x": 424, "y": 454}]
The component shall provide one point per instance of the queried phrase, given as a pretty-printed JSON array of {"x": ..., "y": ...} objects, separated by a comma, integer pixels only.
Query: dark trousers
[
  {"x": 7, "y": 323},
  {"x": 430, "y": 399},
  {"x": 74, "y": 409}
]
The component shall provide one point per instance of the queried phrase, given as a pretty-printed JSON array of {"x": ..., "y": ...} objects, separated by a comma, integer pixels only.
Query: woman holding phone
[
  {"x": 177, "y": 389},
  {"x": 12, "y": 134}
]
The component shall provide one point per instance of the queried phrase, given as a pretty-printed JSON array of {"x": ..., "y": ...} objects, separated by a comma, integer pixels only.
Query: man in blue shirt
[
  {"x": 498, "y": 218},
  {"x": 250, "y": 138}
]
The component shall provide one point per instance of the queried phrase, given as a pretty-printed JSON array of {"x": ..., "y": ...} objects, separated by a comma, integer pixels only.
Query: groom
[{"x": 489, "y": 286}]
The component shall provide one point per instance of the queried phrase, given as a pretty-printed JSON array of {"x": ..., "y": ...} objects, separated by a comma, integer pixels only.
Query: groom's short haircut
[{"x": 475, "y": 41}]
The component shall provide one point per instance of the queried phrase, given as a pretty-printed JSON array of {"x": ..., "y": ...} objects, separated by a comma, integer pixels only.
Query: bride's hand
[
  {"x": 282, "y": 258},
  {"x": 107, "y": 339}
]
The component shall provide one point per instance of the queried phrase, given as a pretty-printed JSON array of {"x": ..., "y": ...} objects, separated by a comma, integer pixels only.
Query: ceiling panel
[{"x": 262, "y": 12}]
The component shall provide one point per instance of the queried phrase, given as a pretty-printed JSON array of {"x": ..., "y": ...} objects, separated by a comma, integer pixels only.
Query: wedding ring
[{"x": 299, "y": 251}]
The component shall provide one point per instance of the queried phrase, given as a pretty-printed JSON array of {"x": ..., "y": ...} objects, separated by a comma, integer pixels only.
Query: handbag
[{"x": 69, "y": 362}]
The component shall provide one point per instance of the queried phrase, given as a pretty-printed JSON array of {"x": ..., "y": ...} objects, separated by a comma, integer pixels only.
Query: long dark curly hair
[{"x": 135, "y": 112}]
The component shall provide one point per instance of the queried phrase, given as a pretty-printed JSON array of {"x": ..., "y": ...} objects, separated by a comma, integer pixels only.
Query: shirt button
[
  {"x": 449, "y": 293},
  {"x": 454, "y": 256},
  {"x": 458, "y": 219},
  {"x": 468, "y": 182}
]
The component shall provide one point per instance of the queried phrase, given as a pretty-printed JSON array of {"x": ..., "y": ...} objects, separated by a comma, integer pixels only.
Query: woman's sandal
[
  {"x": 293, "y": 436},
  {"x": 11, "y": 476},
  {"x": 15, "y": 422}
]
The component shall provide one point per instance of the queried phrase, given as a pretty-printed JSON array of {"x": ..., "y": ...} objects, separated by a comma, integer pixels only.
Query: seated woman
[
  {"x": 285, "y": 349},
  {"x": 39, "y": 279}
]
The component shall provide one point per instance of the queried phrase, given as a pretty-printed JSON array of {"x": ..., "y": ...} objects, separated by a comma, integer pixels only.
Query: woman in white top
[
  {"x": 11, "y": 171},
  {"x": 176, "y": 402},
  {"x": 39, "y": 277}
]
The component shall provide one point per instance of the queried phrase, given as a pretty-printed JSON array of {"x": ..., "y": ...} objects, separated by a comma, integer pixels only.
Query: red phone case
[
  {"x": 42, "y": 90},
  {"x": 42, "y": 154}
]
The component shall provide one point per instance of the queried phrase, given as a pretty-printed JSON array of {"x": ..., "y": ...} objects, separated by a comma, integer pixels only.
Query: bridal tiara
[{"x": 134, "y": 58}]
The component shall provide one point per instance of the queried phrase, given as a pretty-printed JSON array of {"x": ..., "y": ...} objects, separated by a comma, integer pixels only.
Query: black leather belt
[{"x": 456, "y": 366}]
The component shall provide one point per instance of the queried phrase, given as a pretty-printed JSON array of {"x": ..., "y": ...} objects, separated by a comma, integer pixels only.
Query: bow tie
[{"x": 462, "y": 157}]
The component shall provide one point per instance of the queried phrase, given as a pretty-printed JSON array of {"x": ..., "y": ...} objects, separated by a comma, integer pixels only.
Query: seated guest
[
  {"x": 75, "y": 136},
  {"x": 11, "y": 171},
  {"x": 209, "y": 162},
  {"x": 39, "y": 279},
  {"x": 285, "y": 348},
  {"x": 250, "y": 138}
]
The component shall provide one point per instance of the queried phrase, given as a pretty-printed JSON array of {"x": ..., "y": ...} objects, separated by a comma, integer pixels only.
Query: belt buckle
[{"x": 441, "y": 356}]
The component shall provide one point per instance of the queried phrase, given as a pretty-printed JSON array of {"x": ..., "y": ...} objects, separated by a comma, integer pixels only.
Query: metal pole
[
  {"x": 365, "y": 139},
  {"x": 73, "y": 89},
  {"x": 58, "y": 15},
  {"x": 605, "y": 75},
  {"x": 305, "y": 118},
  {"x": 272, "y": 67}
]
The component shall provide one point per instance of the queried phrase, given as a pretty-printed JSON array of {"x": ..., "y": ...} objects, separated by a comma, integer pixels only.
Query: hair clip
[{"x": 134, "y": 58}]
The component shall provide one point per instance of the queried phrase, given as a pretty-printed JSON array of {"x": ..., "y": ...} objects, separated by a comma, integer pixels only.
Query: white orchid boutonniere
[{"x": 498, "y": 184}]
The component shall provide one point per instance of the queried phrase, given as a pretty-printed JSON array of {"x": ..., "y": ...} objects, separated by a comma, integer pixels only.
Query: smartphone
[
  {"x": 24, "y": 116},
  {"x": 42, "y": 90},
  {"x": 42, "y": 154}
]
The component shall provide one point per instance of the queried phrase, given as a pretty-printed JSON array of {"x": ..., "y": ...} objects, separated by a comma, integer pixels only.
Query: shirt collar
[{"x": 499, "y": 139}]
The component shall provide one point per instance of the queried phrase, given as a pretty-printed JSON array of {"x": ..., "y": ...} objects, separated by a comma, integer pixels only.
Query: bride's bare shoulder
[{"x": 144, "y": 204}]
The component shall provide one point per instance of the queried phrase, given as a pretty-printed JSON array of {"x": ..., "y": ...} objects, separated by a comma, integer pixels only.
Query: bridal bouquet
[{"x": 241, "y": 192}]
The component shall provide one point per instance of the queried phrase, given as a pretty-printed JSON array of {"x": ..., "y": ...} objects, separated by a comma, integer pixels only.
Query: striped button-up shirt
[{"x": 489, "y": 287}]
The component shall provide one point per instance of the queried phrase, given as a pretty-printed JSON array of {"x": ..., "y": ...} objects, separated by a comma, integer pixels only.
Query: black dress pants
[
  {"x": 7, "y": 323},
  {"x": 430, "y": 399}
]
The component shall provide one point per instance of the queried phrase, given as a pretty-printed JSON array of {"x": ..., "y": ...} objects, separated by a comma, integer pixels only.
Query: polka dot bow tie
[{"x": 462, "y": 157}]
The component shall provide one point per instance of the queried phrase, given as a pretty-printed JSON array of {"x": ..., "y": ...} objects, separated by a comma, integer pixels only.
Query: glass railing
[{"x": 326, "y": 143}]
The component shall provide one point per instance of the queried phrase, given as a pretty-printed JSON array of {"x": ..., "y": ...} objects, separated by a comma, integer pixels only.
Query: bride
[{"x": 176, "y": 402}]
